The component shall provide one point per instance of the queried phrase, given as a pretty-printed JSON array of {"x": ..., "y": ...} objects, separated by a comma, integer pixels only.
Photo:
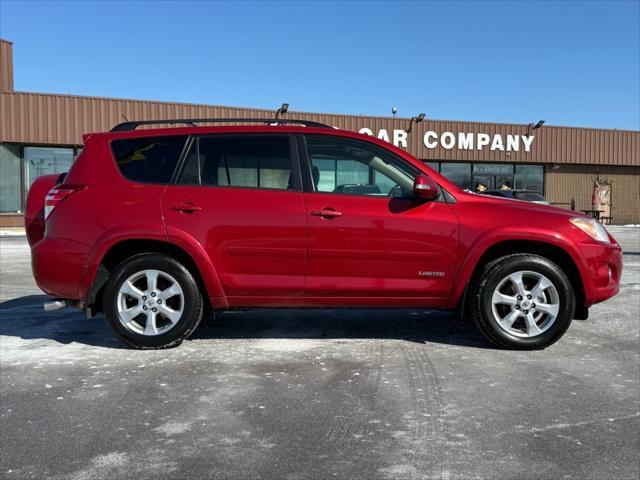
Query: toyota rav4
[{"x": 151, "y": 226}]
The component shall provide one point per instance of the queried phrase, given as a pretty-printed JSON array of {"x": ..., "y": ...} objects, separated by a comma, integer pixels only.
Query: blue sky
[{"x": 570, "y": 63}]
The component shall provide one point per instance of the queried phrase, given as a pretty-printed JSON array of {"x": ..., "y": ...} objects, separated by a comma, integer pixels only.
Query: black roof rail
[{"x": 132, "y": 125}]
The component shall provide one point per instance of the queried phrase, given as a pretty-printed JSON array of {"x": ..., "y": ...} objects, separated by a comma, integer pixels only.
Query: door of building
[{"x": 492, "y": 182}]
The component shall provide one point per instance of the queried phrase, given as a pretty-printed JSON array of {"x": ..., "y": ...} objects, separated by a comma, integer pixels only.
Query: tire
[
  {"x": 496, "y": 300},
  {"x": 152, "y": 318}
]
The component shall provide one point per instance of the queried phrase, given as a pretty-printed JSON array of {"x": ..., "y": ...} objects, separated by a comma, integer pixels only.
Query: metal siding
[
  {"x": 6, "y": 66},
  {"x": 575, "y": 182},
  {"x": 61, "y": 120}
]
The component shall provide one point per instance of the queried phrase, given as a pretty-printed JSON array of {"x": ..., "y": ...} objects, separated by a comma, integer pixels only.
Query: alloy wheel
[
  {"x": 150, "y": 302},
  {"x": 525, "y": 304}
]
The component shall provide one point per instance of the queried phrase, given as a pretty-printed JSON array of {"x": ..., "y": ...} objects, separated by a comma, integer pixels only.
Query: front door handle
[
  {"x": 186, "y": 207},
  {"x": 326, "y": 213}
]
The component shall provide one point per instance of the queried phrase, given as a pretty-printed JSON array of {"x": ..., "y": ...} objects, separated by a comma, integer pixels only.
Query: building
[{"x": 42, "y": 133}]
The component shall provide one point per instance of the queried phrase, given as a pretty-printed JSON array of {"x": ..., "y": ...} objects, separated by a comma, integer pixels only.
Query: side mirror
[{"x": 424, "y": 187}]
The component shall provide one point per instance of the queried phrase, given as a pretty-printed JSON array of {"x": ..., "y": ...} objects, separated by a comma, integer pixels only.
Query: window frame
[
  {"x": 195, "y": 140},
  {"x": 305, "y": 160}
]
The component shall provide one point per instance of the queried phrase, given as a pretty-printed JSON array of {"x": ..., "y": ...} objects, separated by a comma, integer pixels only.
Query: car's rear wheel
[
  {"x": 152, "y": 301},
  {"x": 522, "y": 301}
]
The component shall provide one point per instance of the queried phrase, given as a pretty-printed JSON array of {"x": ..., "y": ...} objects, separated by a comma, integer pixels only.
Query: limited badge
[{"x": 424, "y": 273}]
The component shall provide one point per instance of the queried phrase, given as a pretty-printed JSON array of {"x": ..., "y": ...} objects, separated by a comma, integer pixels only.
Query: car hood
[{"x": 526, "y": 205}]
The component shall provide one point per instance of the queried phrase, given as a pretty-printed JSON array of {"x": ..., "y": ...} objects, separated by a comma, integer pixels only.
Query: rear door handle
[
  {"x": 326, "y": 213},
  {"x": 186, "y": 207}
]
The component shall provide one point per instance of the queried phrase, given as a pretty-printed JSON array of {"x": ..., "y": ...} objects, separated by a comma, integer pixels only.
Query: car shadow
[{"x": 24, "y": 317}]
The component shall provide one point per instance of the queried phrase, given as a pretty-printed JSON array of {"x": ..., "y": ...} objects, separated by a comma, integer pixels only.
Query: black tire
[
  {"x": 191, "y": 309},
  {"x": 484, "y": 284}
]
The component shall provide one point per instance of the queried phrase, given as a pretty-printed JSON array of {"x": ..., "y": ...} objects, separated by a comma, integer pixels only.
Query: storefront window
[
  {"x": 458, "y": 173},
  {"x": 492, "y": 176},
  {"x": 530, "y": 177},
  {"x": 493, "y": 169},
  {"x": 10, "y": 195},
  {"x": 434, "y": 165},
  {"x": 43, "y": 161},
  {"x": 482, "y": 183}
]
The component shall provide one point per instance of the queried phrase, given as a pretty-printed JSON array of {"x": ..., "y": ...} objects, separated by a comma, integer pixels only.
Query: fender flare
[
  {"x": 90, "y": 278},
  {"x": 488, "y": 240}
]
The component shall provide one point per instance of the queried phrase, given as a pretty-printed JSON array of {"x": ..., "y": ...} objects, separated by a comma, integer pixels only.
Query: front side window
[
  {"x": 251, "y": 162},
  {"x": 148, "y": 159},
  {"x": 351, "y": 167}
]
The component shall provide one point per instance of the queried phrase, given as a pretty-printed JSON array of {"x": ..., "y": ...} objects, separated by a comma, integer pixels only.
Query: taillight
[{"x": 58, "y": 194}]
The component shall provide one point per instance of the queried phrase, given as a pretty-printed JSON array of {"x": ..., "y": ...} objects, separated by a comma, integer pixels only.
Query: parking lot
[{"x": 292, "y": 394}]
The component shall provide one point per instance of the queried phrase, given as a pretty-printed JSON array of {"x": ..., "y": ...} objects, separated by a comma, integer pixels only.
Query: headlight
[{"x": 592, "y": 228}]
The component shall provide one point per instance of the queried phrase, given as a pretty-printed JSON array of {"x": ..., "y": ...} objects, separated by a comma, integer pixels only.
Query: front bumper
[{"x": 604, "y": 269}]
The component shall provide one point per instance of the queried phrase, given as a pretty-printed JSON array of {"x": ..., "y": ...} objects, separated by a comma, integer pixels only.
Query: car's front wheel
[
  {"x": 522, "y": 301},
  {"x": 152, "y": 301}
]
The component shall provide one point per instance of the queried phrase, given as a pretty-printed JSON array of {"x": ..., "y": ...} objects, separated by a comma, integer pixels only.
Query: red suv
[{"x": 152, "y": 225}]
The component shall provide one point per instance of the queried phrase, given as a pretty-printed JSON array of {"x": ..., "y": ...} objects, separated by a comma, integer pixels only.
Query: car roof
[{"x": 132, "y": 125}]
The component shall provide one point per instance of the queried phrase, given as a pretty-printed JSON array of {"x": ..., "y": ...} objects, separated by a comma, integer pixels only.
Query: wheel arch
[
  {"x": 554, "y": 252},
  {"x": 205, "y": 275}
]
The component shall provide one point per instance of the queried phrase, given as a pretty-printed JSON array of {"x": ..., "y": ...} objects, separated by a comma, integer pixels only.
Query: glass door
[
  {"x": 482, "y": 183},
  {"x": 503, "y": 182}
]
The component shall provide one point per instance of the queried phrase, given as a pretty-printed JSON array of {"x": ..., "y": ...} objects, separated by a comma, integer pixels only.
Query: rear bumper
[
  {"x": 58, "y": 266},
  {"x": 604, "y": 269}
]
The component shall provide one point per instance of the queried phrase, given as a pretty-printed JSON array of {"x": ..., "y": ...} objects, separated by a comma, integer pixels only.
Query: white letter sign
[
  {"x": 527, "y": 140},
  {"x": 428, "y": 143},
  {"x": 400, "y": 138},
  {"x": 483, "y": 140}
]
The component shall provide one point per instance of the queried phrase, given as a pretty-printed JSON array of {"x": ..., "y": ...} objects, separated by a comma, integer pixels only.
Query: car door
[
  {"x": 240, "y": 198},
  {"x": 370, "y": 241}
]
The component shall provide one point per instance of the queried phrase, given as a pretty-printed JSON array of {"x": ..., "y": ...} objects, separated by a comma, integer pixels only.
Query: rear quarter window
[{"x": 148, "y": 159}]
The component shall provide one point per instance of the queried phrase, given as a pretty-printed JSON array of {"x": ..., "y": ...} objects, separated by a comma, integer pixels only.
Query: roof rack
[{"x": 127, "y": 126}]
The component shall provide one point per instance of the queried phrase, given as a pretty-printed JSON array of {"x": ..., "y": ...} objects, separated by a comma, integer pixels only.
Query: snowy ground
[{"x": 291, "y": 394}]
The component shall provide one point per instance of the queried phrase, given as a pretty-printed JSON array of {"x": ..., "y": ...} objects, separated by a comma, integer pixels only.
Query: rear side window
[
  {"x": 253, "y": 162},
  {"x": 148, "y": 159}
]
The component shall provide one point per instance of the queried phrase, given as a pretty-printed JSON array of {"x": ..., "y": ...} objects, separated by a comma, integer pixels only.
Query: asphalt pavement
[{"x": 297, "y": 394}]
